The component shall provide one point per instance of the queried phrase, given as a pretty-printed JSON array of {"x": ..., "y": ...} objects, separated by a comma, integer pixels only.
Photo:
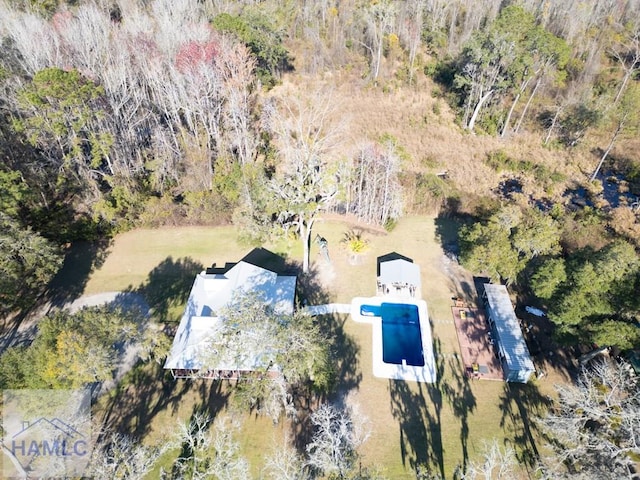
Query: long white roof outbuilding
[{"x": 515, "y": 357}]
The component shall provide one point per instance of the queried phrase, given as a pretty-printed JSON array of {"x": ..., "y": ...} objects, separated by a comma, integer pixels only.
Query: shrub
[
  {"x": 499, "y": 161},
  {"x": 354, "y": 241},
  {"x": 206, "y": 208}
]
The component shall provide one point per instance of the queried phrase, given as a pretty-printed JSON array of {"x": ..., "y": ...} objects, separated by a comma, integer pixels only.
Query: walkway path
[
  {"x": 125, "y": 300},
  {"x": 329, "y": 308}
]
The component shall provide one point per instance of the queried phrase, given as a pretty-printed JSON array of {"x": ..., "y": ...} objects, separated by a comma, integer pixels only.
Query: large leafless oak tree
[{"x": 306, "y": 133}]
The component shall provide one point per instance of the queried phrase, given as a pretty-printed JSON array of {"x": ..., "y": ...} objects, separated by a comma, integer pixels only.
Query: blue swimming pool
[{"x": 401, "y": 336}]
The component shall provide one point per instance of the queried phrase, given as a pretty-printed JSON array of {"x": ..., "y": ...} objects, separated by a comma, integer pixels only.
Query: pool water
[{"x": 401, "y": 336}]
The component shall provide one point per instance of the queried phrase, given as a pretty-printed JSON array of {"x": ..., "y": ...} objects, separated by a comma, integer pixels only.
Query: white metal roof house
[
  {"x": 213, "y": 290},
  {"x": 398, "y": 275},
  {"x": 512, "y": 348}
]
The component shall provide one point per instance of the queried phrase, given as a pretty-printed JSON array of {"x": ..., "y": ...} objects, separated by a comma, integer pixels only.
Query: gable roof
[
  {"x": 399, "y": 271},
  {"x": 211, "y": 292}
]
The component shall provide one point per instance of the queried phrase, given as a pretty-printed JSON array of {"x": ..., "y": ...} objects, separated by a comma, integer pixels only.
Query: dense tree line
[
  {"x": 590, "y": 291},
  {"x": 69, "y": 351},
  {"x": 121, "y": 113}
]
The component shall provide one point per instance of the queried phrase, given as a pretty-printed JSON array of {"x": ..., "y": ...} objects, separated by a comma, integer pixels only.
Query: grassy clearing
[
  {"x": 442, "y": 424},
  {"x": 133, "y": 255}
]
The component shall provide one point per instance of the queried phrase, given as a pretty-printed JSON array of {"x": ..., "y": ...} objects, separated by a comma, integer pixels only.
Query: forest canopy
[{"x": 123, "y": 114}]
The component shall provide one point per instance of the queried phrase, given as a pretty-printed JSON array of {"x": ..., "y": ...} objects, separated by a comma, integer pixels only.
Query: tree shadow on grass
[
  {"x": 144, "y": 392},
  {"x": 80, "y": 261},
  {"x": 68, "y": 284},
  {"x": 457, "y": 391},
  {"x": 147, "y": 388},
  {"x": 310, "y": 289},
  {"x": 345, "y": 353},
  {"x": 417, "y": 407},
  {"x": 447, "y": 228},
  {"x": 520, "y": 405},
  {"x": 214, "y": 395}
]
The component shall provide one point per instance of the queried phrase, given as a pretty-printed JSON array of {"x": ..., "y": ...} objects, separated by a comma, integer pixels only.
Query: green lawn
[{"x": 443, "y": 424}]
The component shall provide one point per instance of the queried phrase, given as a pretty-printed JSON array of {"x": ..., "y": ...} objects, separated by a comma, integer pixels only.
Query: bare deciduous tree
[
  {"x": 121, "y": 458},
  {"x": 209, "y": 454},
  {"x": 285, "y": 463},
  {"x": 498, "y": 463},
  {"x": 410, "y": 31},
  {"x": 627, "y": 53},
  {"x": 594, "y": 426},
  {"x": 339, "y": 433},
  {"x": 373, "y": 191},
  {"x": 177, "y": 95},
  {"x": 626, "y": 118},
  {"x": 306, "y": 134},
  {"x": 379, "y": 18}
]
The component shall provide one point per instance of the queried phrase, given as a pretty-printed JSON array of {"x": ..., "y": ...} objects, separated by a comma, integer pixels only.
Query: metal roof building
[
  {"x": 399, "y": 276},
  {"x": 200, "y": 323},
  {"x": 512, "y": 349}
]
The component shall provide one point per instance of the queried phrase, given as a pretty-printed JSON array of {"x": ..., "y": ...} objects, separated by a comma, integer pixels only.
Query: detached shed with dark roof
[
  {"x": 398, "y": 275},
  {"x": 511, "y": 346}
]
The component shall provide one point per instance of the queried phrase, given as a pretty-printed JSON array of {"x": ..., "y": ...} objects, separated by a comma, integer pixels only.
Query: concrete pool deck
[{"x": 426, "y": 374}]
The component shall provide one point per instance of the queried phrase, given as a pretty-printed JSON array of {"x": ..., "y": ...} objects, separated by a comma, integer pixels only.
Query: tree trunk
[
  {"x": 553, "y": 124},
  {"x": 305, "y": 235},
  {"x": 378, "y": 57},
  {"x": 476, "y": 111},
  {"x": 606, "y": 152},
  {"x": 623, "y": 85},
  {"x": 506, "y": 122},
  {"x": 526, "y": 107}
]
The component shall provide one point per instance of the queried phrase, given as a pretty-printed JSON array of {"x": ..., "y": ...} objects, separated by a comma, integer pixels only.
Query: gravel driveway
[{"x": 125, "y": 300}]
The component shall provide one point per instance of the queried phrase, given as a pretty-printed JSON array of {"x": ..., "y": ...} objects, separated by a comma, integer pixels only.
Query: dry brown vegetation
[{"x": 425, "y": 127}]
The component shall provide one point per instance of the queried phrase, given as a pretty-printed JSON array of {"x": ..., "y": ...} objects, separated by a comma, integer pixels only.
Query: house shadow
[
  {"x": 417, "y": 407},
  {"x": 168, "y": 285},
  {"x": 478, "y": 285},
  {"x": 263, "y": 258}
]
